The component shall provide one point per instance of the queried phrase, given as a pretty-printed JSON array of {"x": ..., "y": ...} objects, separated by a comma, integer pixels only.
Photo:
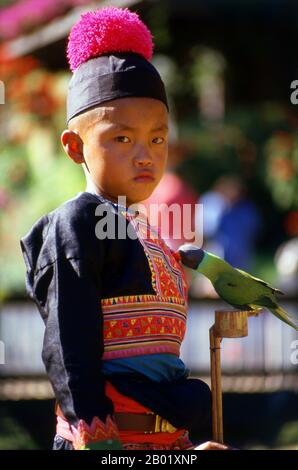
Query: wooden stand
[{"x": 228, "y": 324}]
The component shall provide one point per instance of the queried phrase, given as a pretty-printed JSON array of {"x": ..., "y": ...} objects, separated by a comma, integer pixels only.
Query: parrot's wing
[
  {"x": 264, "y": 283},
  {"x": 238, "y": 290}
]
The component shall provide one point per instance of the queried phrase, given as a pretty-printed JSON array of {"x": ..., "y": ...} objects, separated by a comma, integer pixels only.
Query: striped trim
[
  {"x": 144, "y": 324},
  {"x": 130, "y": 299}
]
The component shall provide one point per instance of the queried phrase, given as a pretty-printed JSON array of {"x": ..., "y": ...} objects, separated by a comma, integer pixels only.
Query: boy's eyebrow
[{"x": 125, "y": 127}]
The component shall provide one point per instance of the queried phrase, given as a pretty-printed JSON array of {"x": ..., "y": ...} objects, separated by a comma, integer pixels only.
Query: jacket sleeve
[{"x": 66, "y": 287}]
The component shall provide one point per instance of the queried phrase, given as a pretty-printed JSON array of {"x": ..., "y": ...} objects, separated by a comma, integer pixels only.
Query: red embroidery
[
  {"x": 97, "y": 431},
  {"x": 177, "y": 256},
  {"x": 143, "y": 324},
  {"x": 168, "y": 278}
]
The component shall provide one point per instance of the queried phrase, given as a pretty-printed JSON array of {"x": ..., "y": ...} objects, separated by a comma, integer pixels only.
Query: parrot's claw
[{"x": 256, "y": 312}]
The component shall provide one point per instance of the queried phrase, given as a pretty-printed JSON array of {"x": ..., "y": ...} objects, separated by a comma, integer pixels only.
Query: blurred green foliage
[
  {"x": 288, "y": 434},
  {"x": 13, "y": 436},
  {"x": 35, "y": 174}
]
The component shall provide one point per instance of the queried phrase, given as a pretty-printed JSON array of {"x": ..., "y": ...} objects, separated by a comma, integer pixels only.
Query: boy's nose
[
  {"x": 144, "y": 162},
  {"x": 143, "y": 158}
]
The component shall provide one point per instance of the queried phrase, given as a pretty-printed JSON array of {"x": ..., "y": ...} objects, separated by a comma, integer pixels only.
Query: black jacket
[{"x": 68, "y": 271}]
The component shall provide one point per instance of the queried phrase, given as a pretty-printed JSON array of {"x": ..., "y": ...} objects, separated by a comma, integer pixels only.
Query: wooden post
[
  {"x": 228, "y": 324},
  {"x": 216, "y": 391}
]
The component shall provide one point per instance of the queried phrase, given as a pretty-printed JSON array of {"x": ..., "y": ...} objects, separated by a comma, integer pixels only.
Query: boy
[{"x": 114, "y": 307}]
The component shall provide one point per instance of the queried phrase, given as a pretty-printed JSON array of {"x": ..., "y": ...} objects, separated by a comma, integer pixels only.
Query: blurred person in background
[
  {"x": 239, "y": 225},
  {"x": 231, "y": 225}
]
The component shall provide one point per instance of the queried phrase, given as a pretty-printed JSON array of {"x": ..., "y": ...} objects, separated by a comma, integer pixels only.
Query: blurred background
[{"x": 228, "y": 68}]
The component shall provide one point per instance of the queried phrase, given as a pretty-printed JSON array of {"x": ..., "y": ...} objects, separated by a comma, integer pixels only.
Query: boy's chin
[
  {"x": 137, "y": 199},
  {"x": 139, "y": 196}
]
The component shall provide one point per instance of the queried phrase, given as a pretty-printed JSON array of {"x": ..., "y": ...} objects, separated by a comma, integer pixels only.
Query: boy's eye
[
  {"x": 123, "y": 139},
  {"x": 158, "y": 140}
]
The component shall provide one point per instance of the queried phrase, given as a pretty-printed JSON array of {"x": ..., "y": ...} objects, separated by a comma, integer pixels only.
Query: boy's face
[{"x": 125, "y": 143}]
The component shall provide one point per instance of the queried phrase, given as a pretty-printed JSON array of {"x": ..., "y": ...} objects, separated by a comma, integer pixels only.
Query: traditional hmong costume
[
  {"x": 114, "y": 307},
  {"x": 115, "y": 314}
]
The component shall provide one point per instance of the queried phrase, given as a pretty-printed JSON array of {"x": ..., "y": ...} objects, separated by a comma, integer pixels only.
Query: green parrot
[{"x": 238, "y": 288}]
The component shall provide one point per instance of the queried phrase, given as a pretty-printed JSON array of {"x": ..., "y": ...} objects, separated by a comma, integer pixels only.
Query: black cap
[{"x": 113, "y": 76}]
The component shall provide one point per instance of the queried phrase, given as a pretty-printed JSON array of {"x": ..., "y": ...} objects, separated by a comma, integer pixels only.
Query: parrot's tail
[{"x": 284, "y": 316}]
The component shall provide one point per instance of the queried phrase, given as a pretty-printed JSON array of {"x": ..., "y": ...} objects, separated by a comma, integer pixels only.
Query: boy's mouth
[{"x": 144, "y": 177}]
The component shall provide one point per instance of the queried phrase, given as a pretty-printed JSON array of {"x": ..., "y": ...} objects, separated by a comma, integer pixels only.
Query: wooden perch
[{"x": 228, "y": 324}]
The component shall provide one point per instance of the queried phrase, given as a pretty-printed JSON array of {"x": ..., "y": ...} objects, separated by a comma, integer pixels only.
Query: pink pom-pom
[{"x": 105, "y": 31}]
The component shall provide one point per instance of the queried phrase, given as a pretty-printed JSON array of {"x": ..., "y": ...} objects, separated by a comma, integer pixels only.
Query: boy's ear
[{"x": 73, "y": 146}]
